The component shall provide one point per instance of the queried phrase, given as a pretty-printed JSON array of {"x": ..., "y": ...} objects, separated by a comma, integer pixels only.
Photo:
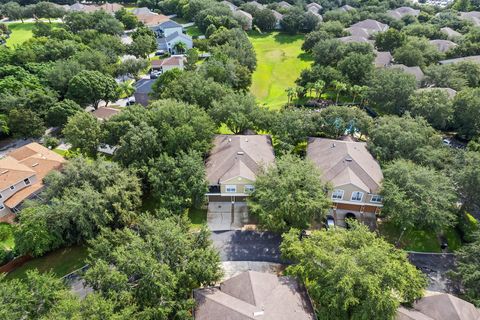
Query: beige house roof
[
  {"x": 151, "y": 19},
  {"x": 451, "y": 92},
  {"x": 451, "y": 34},
  {"x": 443, "y": 45},
  {"x": 401, "y": 12},
  {"x": 254, "y": 295},
  {"x": 440, "y": 307},
  {"x": 348, "y": 39},
  {"x": 39, "y": 161},
  {"x": 370, "y": 25},
  {"x": 238, "y": 155},
  {"x": 415, "y": 71},
  {"x": 472, "y": 16},
  {"x": 170, "y": 61},
  {"x": 111, "y": 7},
  {"x": 383, "y": 59},
  {"x": 313, "y": 6},
  {"x": 359, "y": 32},
  {"x": 456, "y": 60},
  {"x": 244, "y": 14},
  {"x": 345, "y": 162},
  {"x": 12, "y": 172}
]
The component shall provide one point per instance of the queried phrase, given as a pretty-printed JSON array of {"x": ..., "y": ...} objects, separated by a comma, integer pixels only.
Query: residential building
[
  {"x": 104, "y": 113},
  {"x": 450, "y": 33},
  {"x": 472, "y": 16},
  {"x": 254, "y": 295},
  {"x": 22, "y": 172},
  {"x": 439, "y": 306},
  {"x": 172, "y": 62},
  {"x": 284, "y": 4},
  {"x": 359, "y": 32},
  {"x": 401, "y": 12},
  {"x": 230, "y": 5},
  {"x": 347, "y": 8},
  {"x": 443, "y": 45},
  {"x": 151, "y": 19},
  {"x": 167, "y": 28},
  {"x": 383, "y": 59},
  {"x": 169, "y": 43},
  {"x": 349, "y": 39},
  {"x": 355, "y": 177},
  {"x": 371, "y": 26},
  {"x": 111, "y": 7},
  {"x": 143, "y": 88},
  {"x": 278, "y": 17},
  {"x": 245, "y": 15},
  {"x": 314, "y": 7},
  {"x": 78, "y": 7},
  {"x": 449, "y": 91},
  {"x": 415, "y": 71},
  {"x": 142, "y": 10},
  {"x": 231, "y": 168},
  {"x": 256, "y": 4},
  {"x": 456, "y": 60}
]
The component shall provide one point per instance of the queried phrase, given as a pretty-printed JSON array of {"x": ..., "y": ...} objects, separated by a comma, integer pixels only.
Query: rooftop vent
[
  {"x": 333, "y": 145},
  {"x": 246, "y": 139},
  {"x": 229, "y": 139},
  {"x": 35, "y": 164},
  {"x": 348, "y": 159},
  {"x": 258, "y": 313},
  {"x": 241, "y": 153},
  {"x": 4, "y": 171}
]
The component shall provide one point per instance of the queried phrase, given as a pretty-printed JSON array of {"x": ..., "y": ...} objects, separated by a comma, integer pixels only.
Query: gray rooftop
[
  {"x": 415, "y": 71},
  {"x": 401, "y": 12},
  {"x": 443, "y": 45},
  {"x": 169, "y": 24},
  {"x": 456, "y": 60},
  {"x": 371, "y": 25}
]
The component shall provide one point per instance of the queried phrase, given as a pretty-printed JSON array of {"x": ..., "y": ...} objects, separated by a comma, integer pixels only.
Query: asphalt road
[{"x": 248, "y": 246}]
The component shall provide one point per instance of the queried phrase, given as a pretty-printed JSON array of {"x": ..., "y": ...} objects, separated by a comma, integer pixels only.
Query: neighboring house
[
  {"x": 22, "y": 172},
  {"x": 449, "y": 91},
  {"x": 347, "y": 8},
  {"x": 167, "y": 28},
  {"x": 359, "y": 32},
  {"x": 111, "y": 7},
  {"x": 231, "y": 169},
  {"x": 401, "y": 12},
  {"x": 245, "y": 15},
  {"x": 168, "y": 43},
  {"x": 415, "y": 71},
  {"x": 254, "y": 295},
  {"x": 104, "y": 113},
  {"x": 78, "y": 7},
  {"x": 142, "y": 10},
  {"x": 230, "y": 5},
  {"x": 256, "y": 4},
  {"x": 314, "y": 7},
  {"x": 439, "y": 306},
  {"x": 371, "y": 26},
  {"x": 348, "y": 39},
  {"x": 143, "y": 87},
  {"x": 316, "y": 14},
  {"x": 456, "y": 60},
  {"x": 443, "y": 45},
  {"x": 383, "y": 59},
  {"x": 450, "y": 33},
  {"x": 284, "y": 4},
  {"x": 472, "y": 16},
  {"x": 278, "y": 17},
  {"x": 173, "y": 62},
  {"x": 355, "y": 177}
]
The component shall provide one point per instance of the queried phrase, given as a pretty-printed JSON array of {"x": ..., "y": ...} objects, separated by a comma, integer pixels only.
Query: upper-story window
[
  {"x": 231, "y": 188},
  {"x": 376, "y": 198},
  {"x": 249, "y": 188},
  {"x": 12, "y": 187},
  {"x": 26, "y": 181},
  {"x": 337, "y": 194},
  {"x": 357, "y": 196}
]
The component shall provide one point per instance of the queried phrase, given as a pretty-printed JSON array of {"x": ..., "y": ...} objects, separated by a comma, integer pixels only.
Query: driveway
[{"x": 248, "y": 246}]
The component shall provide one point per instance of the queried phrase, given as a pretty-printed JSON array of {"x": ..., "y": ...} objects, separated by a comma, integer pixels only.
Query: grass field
[
  {"x": 280, "y": 60},
  {"x": 21, "y": 32},
  {"x": 61, "y": 262}
]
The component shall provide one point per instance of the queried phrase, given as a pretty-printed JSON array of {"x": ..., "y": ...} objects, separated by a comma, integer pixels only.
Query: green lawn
[
  {"x": 21, "y": 32},
  {"x": 60, "y": 262},
  {"x": 6, "y": 232},
  {"x": 418, "y": 240},
  {"x": 280, "y": 60},
  {"x": 193, "y": 31}
]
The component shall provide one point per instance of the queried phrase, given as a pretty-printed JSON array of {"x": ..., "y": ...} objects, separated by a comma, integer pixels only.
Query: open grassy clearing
[
  {"x": 21, "y": 32},
  {"x": 61, "y": 262},
  {"x": 280, "y": 60}
]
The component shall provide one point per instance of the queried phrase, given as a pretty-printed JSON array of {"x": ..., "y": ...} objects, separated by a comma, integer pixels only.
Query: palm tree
[
  {"x": 126, "y": 88},
  {"x": 318, "y": 87},
  {"x": 356, "y": 90},
  {"x": 180, "y": 47},
  {"x": 339, "y": 87},
  {"x": 309, "y": 87},
  {"x": 290, "y": 94}
]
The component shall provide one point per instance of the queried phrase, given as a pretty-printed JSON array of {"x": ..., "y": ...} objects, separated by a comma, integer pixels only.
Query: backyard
[
  {"x": 21, "y": 32},
  {"x": 280, "y": 60}
]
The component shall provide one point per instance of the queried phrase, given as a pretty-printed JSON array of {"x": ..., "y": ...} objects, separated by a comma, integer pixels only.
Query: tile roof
[
  {"x": 151, "y": 19},
  {"x": 254, "y": 295},
  {"x": 111, "y": 7},
  {"x": 170, "y": 61},
  {"x": 345, "y": 162},
  {"x": 238, "y": 155}
]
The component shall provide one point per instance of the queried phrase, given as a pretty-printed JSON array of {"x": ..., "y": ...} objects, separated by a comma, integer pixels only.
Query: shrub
[
  {"x": 467, "y": 226},
  {"x": 51, "y": 142}
]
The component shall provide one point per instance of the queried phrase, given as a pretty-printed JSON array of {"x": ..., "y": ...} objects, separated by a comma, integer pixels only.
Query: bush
[
  {"x": 51, "y": 142},
  {"x": 467, "y": 225},
  {"x": 5, "y": 256}
]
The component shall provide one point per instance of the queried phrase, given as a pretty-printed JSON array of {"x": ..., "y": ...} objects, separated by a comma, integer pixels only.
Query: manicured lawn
[
  {"x": 418, "y": 240},
  {"x": 60, "y": 262},
  {"x": 193, "y": 31},
  {"x": 21, "y": 32},
  {"x": 6, "y": 232},
  {"x": 280, "y": 60},
  {"x": 61, "y": 152}
]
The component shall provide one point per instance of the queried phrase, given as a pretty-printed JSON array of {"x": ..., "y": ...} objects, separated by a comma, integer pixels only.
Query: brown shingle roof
[
  {"x": 254, "y": 295},
  {"x": 238, "y": 155},
  {"x": 345, "y": 162},
  {"x": 415, "y": 71},
  {"x": 12, "y": 172},
  {"x": 170, "y": 61}
]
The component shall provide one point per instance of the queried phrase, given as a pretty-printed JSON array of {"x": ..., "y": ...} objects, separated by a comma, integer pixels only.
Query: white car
[{"x": 330, "y": 222}]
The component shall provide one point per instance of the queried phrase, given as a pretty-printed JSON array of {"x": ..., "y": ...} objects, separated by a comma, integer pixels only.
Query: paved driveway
[{"x": 248, "y": 246}]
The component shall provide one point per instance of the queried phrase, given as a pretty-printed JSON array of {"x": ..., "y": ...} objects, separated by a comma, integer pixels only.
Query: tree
[
  {"x": 336, "y": 121},
  {"x": 25, "y": 123},
  {"x": 169, "y": 262},
  {"x": 178, "y": 183},
  {"x": 62, "y": 71},
  {"x": 83, "y": 131},
  {"x": 162, "y": 82},
  {"x": 468, "y": 180},
  {"x": 417, "y": 197},
  {"x": 401, "y": 137},
  {"x": 180, "y": 47},
  {"x": 291, "y": 126},
  {"x": 90, "y": 87},
  {"x": 389, "y": 40},
  {"x": 357, "y": 68},
  {"x": 128, "y": 19},
  {"x": 340, "y": 269},
  {"x": 466, "y": 117},
  {"x": 339, "y": 87},
  {"x": 265, "y": 20},
  {"x": 417, "y": 52},
  {"x": 14, "y": 11},
  {"x": 390, "y": 90},
  {"x": 288, "y": 195},
  {"x": 57, "y": 116},
  {"x": 192, "y": 57},
  {"x": 434, "y": 105},
  {"x": 237, "y": 111},
  {"x": 132, "y": 67},
  {"x": 328, "y": 52}
]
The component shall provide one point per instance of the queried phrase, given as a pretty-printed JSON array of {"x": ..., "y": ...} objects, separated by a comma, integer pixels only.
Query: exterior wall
[
  {"x": 347, "y": 195},
  {"x": 171, "y": 44},
  {"x": 239, "y": 182},
  {"x": 7, "y": 193}
]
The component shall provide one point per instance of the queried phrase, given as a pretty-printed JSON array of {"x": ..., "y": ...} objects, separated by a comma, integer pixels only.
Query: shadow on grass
[
  {"x": 305, "y": 57},
  {"x": 285, "y": 38}
]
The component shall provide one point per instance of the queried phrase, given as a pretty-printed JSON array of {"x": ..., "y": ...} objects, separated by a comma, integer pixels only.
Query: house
[
  {"x": 456, "y": 60},
  {"x": 111, "y": 7},
  {"x": 104, "y": 113},
  {"x": 230, "y": 5},
  {"x": 449, "y": 91},
  {"x": 401, "y": 12},
  {"x": 439, "y": 306},
  {"x": 245, "y": 15},
  {"x": 172, "y": 62},
  {"x": 383, "y": 59},
  {"x": 347, "y": 8},
  {"x": 256, "y": 4},
  {"x": 415, "y": 71},
  {"x": 167, "y": 28},
  {"x": 316, "y": 14},
  {"x": 22, "y": 172},
  {"x": 443, "y": 45},
  {"x": 151, "y": 19},
  {"x": 278, "y": 17},
  {"x": 142, "y": 10},
  {"x": 231, "y": 170},
  {"x": 169, "y": 43},
  {"x": 450, "y": 33},
  {"x": 143, "y": 87},
  {"x": 284, "y": 4},
  {"x": 472, "y": 16},
  {"x": 349, "y": 39},
  {"x": 371, "y": 26},
  {"x": 353, "y": 173},
  {"x": 78, "y": 7},
  {"x": 254, "y": 295},
  {"x": 314, "y": 7},
  {"x": 359, "y": 32}
]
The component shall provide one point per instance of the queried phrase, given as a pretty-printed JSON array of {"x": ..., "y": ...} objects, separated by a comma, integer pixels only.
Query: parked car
[
  {"x": 160, "y": 52},
  {"x": 330, "y": 222},
  {"x": 130, "y": 102},
  {"x": 155, "y": 74}
]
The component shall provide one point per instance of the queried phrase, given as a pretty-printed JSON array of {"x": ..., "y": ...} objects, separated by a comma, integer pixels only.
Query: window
[
  {"x": 376, "y": 198},
  {"x": 337, "y": 194},
  {"x": 249, "y": 188},
  {"x": 26, "y": 181},
  {"x": 357, "y": 196},
  {"x": 2, "y": 207},
  {"x": 231, "y": 188},
  {"x": 12, "y": 187}
]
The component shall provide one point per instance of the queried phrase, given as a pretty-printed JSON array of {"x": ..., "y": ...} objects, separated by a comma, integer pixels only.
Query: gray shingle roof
[
  {"x": 415, "y": 71},
  {"x": 451, "y": 34},
  {"x": 383, "y": 59},
  {"x": 371, "y": 25},
  {"x": 456, "y": 60},
  {"x": 401, "y": 12},
  {"x": 169, "y": 24},
  {"x": 443, "y": 45}
]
